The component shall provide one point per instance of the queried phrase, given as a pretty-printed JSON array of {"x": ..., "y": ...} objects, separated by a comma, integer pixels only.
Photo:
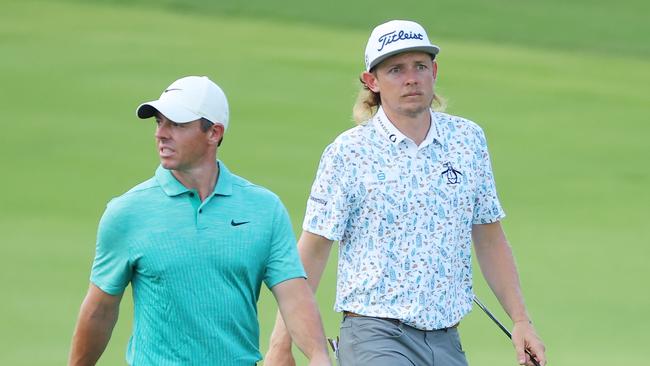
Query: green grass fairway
[{"x": 560, "y": 89}]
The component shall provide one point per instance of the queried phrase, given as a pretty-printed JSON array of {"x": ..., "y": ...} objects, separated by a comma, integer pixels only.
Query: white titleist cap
[
  {"x": 396, "y": 36},
  {"x": 188, "y": 99}
]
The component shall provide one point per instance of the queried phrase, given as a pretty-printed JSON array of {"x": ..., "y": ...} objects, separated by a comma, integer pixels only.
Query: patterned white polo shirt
[{"x": 403, "y": 216}]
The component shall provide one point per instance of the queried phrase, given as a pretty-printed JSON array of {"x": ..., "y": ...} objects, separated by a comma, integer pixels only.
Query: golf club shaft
[{"x": 503, "y": 328}]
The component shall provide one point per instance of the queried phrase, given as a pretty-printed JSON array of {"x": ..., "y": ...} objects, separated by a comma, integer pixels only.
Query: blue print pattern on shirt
[{"x": 403, "y": 215}]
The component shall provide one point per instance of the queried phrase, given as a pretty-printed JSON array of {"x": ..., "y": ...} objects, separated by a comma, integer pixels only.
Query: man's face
[
  {"x": 182, "y": 146},
  {"x": 405, "y": 83}
]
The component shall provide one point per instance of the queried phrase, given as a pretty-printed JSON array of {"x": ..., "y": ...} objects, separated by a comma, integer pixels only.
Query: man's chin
[
  {"x": 167, "y": 164},
  {"x": 415, "y": 110}
]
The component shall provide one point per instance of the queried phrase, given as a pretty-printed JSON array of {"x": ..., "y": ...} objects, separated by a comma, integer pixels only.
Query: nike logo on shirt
[{"x": 233, "y": 223}]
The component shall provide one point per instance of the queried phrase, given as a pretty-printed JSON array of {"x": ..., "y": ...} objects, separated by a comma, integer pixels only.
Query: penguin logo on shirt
[{"x": 451, "y": 174}]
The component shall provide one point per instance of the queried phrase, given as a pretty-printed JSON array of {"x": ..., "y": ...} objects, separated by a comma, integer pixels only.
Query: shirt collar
[
  {"x": 172, "y": 187},
  {"x": 224, "y": 182},
  {"x": 435, "y": 132},
  {"x": 387, "y": 129}
]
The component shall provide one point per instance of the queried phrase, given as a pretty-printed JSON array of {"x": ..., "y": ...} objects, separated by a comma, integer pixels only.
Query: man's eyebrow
[{"x": 389, "y": 65}]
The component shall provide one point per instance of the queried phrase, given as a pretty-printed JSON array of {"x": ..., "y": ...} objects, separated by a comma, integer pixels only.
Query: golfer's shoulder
[
  {"x": 139, "y": 195},
  {"x": 453, "y": 125},
  {"x": 244, "y": 189},
  {"x": 349, "y": 141}
]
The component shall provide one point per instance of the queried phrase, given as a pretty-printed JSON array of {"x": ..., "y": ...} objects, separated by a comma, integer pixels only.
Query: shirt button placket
[{"x": 196, "y": 205}]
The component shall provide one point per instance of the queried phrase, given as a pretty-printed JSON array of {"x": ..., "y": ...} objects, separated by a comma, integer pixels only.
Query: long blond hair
[{"x": 368, "y": 102}]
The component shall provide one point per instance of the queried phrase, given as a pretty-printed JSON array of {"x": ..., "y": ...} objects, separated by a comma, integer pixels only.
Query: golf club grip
[{"x": 532, "y": 358}]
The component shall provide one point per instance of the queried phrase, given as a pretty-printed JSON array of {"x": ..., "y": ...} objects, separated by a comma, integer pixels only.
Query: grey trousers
[{"x": 381, "y": 342}]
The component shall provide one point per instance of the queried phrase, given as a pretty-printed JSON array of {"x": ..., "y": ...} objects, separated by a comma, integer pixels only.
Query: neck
[
  {"x": 203, "y": 178},
  {"x": 414, "y": 126}
]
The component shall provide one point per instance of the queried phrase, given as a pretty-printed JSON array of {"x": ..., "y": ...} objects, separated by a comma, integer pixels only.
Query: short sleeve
[
  {"x": 329, "y": 204},
  {"x": 111, "y": 269},
  {"x": 487, "y": 208},
  {"x": 283, "y": 262}
]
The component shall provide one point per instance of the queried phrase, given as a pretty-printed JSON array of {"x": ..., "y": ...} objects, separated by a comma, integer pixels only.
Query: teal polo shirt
[{"x": 196, "y": 268}]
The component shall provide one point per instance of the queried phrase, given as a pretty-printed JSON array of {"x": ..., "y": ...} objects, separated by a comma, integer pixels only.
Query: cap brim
[
  {"x": 432, "y": 50},
  {"x": 173, "y": 112}
]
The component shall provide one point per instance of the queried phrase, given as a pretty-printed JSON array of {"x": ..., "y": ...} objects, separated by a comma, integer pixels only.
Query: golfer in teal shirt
[{"x": 195, "y": 242}]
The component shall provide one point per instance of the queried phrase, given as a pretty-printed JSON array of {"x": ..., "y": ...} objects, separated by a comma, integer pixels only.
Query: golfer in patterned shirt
[{"x": 405, "y": 193}]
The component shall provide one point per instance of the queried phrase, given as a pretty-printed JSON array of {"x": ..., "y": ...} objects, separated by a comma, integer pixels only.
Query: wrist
[
  {"x": 520, "y": 316},
  {"x": 525, "y": 320}
]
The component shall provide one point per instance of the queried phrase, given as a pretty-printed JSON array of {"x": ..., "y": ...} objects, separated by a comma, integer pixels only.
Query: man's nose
[
  {"x": 161, "y": 131},
  {"x": 411, "y": 76}
]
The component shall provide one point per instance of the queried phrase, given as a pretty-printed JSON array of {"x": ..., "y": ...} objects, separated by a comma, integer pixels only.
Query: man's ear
[
  {"x": 370, "y": 80},
  {"x": 215, "y": 133},
  {"x": 435, "y": 71}
]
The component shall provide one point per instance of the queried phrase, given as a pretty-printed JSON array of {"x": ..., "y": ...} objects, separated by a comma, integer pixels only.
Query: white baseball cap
[
  {"x": 188, "y": 99},
  {"x": 397, "y": 36}
]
